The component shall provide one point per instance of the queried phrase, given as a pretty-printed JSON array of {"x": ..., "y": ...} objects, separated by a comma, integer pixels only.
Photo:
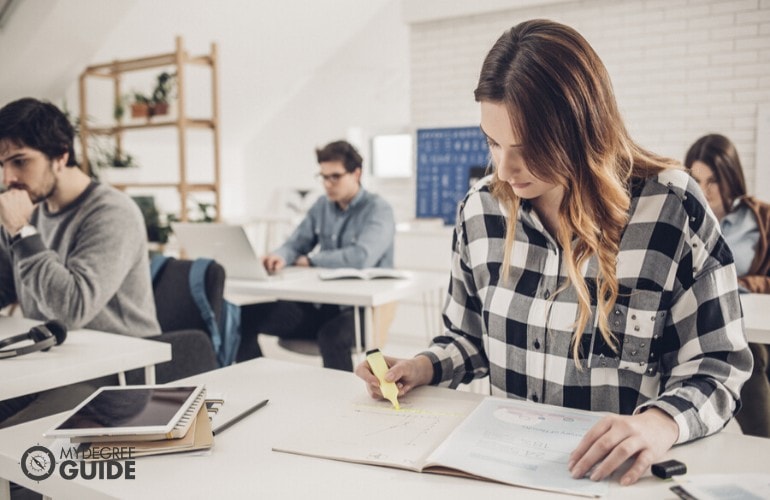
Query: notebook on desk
[
  {"x": 132, "y": 413},
  {"x": 227, "y": 244}
]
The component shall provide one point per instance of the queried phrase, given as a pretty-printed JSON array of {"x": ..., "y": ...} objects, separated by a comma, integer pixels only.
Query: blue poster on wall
[{"x": 448, "y": 161}]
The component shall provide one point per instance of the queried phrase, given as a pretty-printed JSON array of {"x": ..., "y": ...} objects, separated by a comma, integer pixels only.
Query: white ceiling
[{"x": 268, "y": 49}]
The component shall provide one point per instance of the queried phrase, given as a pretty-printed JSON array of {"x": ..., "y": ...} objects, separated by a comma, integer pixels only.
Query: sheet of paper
[
  {"x": 732, "y": 486},
  {"x": 373, "y": 432},
  {"x": 520, "y": 443}
]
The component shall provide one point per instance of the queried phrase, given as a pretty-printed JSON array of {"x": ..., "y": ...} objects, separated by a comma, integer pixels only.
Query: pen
[{"x": 240, "y": 417}]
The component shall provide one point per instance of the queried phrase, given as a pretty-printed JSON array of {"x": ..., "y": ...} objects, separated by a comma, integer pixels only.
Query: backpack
[{"x": 225, "y": 335}]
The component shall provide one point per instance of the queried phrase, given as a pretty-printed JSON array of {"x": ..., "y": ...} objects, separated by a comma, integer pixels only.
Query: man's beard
[{"x": 38, "y": 197}]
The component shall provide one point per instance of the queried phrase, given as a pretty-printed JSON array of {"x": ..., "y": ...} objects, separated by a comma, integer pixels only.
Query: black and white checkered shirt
[{"x": 678, "y": 317}]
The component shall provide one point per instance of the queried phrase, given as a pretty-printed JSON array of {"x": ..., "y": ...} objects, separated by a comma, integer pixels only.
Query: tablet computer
[{"x": 139, "y": 413}]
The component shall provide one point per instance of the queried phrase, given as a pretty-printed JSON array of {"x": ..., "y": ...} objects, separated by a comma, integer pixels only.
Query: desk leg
[
  {"x": 358, "y": 354},
  {"x": 149, "y": 374},
  {"x": 357, "y": 325},
  {"x": 431, "y": 306},
  {"x": 369, "y": 340},
  {"x": 122, "y": 378},
  {"x": 5, "y": 489},
  {"x": 427, "y": 312}
]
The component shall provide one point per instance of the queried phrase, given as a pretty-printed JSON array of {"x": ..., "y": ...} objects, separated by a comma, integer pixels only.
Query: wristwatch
[{"x": 26, "y": 230}]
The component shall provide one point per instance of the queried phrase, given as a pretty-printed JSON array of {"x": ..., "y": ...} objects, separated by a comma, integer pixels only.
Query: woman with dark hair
[
  {"x": 715, "y": 165},
  {"x": 586, "y": 271}
]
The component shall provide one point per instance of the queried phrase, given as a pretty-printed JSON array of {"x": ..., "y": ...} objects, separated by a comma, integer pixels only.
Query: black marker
[{"x": 240, "y": 417}]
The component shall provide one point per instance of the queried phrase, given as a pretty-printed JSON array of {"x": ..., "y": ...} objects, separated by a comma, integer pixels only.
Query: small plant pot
[
  {"x": 159, "y": 109},
  {"x": 140, "y": 110}
]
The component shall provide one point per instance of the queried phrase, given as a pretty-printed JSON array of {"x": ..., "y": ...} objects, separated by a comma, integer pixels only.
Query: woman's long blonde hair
[{"x": 562, "y": 107}]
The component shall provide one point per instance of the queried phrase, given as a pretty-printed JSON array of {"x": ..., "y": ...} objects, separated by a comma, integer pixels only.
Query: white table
[
  {"x": 242, "y": 465},
  {"x": 756, "y": 317},
  {"x": 84, "y": 355},
  {"x": 368, "y": 294}
]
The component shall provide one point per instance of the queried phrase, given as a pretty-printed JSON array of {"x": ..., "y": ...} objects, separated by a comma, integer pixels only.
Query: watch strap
[{"x": 25, "y": 231}]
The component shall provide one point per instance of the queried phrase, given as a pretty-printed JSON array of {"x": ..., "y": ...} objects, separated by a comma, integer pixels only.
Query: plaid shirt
[{"x": 678, "y": 318}]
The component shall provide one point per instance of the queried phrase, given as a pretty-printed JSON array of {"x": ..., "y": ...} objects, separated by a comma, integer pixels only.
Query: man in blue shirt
[{"x": 349, "y": 227}]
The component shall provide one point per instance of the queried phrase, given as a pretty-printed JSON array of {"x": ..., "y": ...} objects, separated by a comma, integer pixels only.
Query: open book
[
  {"x": 513, "y": 442},
  {"x": 370, "y": 273}
]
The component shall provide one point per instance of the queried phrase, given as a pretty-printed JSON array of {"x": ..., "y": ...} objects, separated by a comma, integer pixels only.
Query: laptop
[{"x": 227, "y": 244}]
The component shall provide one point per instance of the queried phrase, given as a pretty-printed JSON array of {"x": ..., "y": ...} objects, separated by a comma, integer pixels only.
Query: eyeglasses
[{"x": 333, "y": 178}]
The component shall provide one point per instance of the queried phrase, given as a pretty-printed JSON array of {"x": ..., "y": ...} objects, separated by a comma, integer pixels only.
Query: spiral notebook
[{"x": 132, "y": 413}]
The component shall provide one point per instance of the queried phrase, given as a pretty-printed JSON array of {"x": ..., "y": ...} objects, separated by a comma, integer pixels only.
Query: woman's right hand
[{"x": 406, "y": 373}]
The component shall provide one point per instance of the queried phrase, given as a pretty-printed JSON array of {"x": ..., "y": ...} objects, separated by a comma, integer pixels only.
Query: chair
[
  {"x": 181, "y": 321},
  {"x": 383, "y": 318}
]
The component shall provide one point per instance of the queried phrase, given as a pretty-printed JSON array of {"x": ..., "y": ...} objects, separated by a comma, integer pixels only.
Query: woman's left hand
[{"x": 616, "y": 438}]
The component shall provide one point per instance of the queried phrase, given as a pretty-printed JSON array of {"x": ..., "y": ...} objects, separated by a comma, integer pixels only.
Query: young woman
[
  {"x": 586, "y": 272},
  {"x": 715, "y": 165}
]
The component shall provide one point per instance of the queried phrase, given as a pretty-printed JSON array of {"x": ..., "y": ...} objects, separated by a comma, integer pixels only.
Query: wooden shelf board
[
  {"x": 190, "y": 122},
  {"x": 118, "y": 67},
  {"x": 190, "y": 187}
]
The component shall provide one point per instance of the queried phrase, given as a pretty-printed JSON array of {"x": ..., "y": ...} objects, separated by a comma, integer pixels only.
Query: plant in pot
[
  {"x": 112, "y": 158},
  {"x": 143, "y": 105},
  {"x": 140, "y": 105},
  {"x": 158, "y": 225},
  {"x": 105, "y": 159}
]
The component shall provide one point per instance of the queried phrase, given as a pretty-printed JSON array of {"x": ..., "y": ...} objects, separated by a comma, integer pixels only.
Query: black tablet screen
[{"x": 127, "y": 407}]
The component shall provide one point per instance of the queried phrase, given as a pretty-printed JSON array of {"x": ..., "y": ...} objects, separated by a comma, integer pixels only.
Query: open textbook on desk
[
  {"x": 513, "y": 442},
  {"x": 369, "y": 273}
]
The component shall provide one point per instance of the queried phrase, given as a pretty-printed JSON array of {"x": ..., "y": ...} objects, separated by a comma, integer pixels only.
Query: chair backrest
[{"x": 174, "y": 303}]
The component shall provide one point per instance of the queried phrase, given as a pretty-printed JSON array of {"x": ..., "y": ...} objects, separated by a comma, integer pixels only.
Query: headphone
[{"x": 43, "y": 337}]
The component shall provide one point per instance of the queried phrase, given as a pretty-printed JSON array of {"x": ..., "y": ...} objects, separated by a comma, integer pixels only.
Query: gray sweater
[{"x": 87, "y": 266}]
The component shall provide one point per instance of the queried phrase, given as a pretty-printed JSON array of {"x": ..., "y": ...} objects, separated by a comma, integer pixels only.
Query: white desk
[
  {"x": 756, "y": 317},
  {"x": 84, "y": 355},
  {"x": 242, "y": 465},
  {"x": 348, "y": 292}
]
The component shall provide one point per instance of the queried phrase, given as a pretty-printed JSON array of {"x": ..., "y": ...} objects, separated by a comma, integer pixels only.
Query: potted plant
[
  {"x": 161, "y": 94},
  {"x": 115, "y": 159},
  {"x": 106, "y": 160},
  {"x": 140, "y": 106},
  {"x": 156, "y": 103}
]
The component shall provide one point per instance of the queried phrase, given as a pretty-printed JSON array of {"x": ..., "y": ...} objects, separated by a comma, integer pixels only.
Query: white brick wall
[{"x": 680, "y": 68}]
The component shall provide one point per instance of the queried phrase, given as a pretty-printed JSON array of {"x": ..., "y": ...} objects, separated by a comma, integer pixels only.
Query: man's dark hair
[
  {"x": 38, "y": 125},
  {"x": 341, "y": 151}
]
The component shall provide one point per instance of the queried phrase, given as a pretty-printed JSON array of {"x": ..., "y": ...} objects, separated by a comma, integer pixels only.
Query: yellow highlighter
[{"x": 379, "y": 368}]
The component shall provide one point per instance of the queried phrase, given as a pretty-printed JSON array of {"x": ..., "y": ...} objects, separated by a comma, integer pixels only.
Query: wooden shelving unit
[{"x": 177, "y": 60}]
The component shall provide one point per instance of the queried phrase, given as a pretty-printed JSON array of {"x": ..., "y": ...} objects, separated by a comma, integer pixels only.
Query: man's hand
[
  {"x": 406, "y": 373},
  {"x": 273, "y": 263},
  {"x": 646, "y": 436},
  {"x": 15, "y": 210},
  {"x": 302, "y": 261}
]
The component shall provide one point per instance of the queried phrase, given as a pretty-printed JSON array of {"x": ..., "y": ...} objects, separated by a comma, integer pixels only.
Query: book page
[
  {"x": 341, "y": 273},
  {"x": 738, "y": 486},
  {"x": 520, "y": 443},
  {"x": 373, "y": 432},
  {"x": 368, "y": 273},
  {"x": 378, "y": 273}
]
